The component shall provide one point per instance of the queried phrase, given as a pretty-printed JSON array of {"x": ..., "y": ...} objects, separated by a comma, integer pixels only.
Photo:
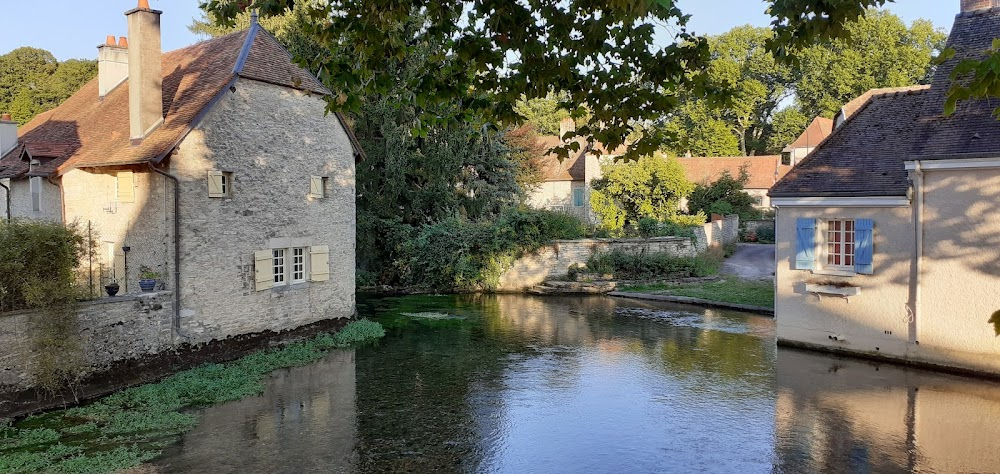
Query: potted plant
[
  {"x": 112, "y": 287},
  {"x": 147, "y": 278}
]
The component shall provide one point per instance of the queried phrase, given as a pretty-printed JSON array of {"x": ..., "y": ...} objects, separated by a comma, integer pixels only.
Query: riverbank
[
  {"x": 134, "y": 425},
  {"x": 730, "y": 292}
]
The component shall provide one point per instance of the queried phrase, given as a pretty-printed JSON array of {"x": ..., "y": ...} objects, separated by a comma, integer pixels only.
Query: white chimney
[
  {"x": 565, "y": 126},
  {"x": 145, "y": 71},
  {"x": 112, "y": 64},
  {"x": 8, "y": 134}
]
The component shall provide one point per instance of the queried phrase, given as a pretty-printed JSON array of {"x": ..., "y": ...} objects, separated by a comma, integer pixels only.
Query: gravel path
[{"x": 751, "y": 262}]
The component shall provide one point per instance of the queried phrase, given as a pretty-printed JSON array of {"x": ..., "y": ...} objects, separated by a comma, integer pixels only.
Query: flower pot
[
  {"x": 147, "y": 285},
  {"x": 112, "y": 289}
]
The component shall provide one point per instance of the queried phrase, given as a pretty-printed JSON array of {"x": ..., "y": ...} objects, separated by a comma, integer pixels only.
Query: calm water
[{"x": 522, "y": 384}]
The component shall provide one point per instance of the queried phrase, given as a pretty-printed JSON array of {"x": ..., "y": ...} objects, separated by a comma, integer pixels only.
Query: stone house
[
  {"x": 565, "y": 185},
  {"x": 214, "y": 166},
  {"x": 888, "y": 234},
  {"x": 763, "y": 172},
  {"x": 814, "y": 134}
]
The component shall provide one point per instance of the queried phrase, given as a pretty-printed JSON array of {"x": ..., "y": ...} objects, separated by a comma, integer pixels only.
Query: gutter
[{"x": 177, "y": 248}]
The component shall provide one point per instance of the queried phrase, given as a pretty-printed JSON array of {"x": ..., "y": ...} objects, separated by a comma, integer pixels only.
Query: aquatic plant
[{"x": 133, "y": 426}]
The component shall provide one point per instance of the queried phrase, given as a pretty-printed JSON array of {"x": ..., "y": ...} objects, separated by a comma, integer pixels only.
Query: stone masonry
[
  {"x": 111, "y": 329},
  {"x": 271, "y": 139}
]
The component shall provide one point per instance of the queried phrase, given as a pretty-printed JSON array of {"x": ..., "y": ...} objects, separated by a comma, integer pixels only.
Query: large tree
[
  {"x": 32, "y": 81},
  {"x": 880, "y": 50}
]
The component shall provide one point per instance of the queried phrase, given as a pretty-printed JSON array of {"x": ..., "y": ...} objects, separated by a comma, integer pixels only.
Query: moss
[{"x": 134, "y": 425}]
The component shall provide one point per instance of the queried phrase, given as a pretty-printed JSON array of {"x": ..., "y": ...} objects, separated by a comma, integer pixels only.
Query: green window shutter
[
  {"x": 263, "y": 269},
  {"x": 805, "y": 244},
  {"x": 864, "y": 246}
]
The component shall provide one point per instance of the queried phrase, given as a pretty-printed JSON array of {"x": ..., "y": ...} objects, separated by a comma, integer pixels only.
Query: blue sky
[{"x": 74, "y": 28}]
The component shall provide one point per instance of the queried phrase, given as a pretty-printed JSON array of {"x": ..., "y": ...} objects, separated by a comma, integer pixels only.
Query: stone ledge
[
  {"x": 141, "y": 297},
  {"x": 694, "y": 301}
]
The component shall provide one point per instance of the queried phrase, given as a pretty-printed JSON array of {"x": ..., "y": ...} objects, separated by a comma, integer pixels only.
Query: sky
[{"x": 74, "y": 28}]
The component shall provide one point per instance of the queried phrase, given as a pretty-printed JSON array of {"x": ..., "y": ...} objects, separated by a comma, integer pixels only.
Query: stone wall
[
  {"x": 110, "y": 329},
  {"x": 21, "y": 205},
  {"x": 754, "y": 226},
  {"x": 719, "y": 232},
  {"x": 555, "y": 259}
]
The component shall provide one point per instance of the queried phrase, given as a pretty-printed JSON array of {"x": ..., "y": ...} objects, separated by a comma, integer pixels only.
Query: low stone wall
[
  {"x": 555, "y": 259},
  {"x": 722, "y": 231},
  {"x": 110, "y": 329}
]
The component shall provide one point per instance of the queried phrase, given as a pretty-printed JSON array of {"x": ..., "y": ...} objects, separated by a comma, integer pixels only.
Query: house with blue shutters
[{"x": 888, "y": 234}]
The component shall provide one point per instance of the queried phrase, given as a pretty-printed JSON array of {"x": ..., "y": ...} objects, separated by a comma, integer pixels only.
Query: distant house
[
  {"x": 815, "y": 133},
  {"x": 763, "y": 172},
  {"x": 889, "y": 232},
  {"x": 566, "y": 184},
  {"x": 214, "y": 166}
]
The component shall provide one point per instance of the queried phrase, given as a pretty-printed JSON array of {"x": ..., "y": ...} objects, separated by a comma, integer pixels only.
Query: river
[{"x": 518, "y": 384}]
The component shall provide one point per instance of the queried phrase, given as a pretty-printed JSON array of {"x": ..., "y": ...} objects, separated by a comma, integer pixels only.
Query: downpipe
[
  {"x": 918, "y": 255},
  {"x": 177, "y": 249}
]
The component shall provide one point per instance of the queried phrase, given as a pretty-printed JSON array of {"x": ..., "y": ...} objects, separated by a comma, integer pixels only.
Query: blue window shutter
[
  {"x": 864, "y": 244},
  {"x": 805, "y": 244}
]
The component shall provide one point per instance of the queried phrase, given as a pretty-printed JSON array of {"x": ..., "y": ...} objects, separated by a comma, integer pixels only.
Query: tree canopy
[
  {"x": 32, "y": 81},
  {"x": 607, "y": 55},
  {"x": 649, "y": 188}
]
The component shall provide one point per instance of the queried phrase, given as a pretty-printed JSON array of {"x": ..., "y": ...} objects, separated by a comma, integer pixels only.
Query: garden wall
[
  {"x": 110, "y": 329},
  {"x": 555, "y": 259},
  {"x": 721, "y": 231},
  {"x": 754, "y": 226}
]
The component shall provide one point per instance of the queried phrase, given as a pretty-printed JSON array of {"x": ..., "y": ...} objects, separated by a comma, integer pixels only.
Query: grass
[
  {"x": 728, "y": 290},
  {"x": 134, "y": 425}
]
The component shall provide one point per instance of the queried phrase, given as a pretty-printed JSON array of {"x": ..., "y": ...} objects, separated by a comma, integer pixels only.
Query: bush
[
  {"x": 680, "y": 226},
  {"x": 652, "y": 266},
  {"x": 38, "y": 261},
  {"x": 765, "y": 235},
  {"x": 459, "y": 255}
]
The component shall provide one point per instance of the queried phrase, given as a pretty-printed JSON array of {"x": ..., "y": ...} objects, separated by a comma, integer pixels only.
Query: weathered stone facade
[
  {"x": 555, "y": 259},
  {"x": 21, "y": 206},
  {"x": 110, "y": 330},
  {"x": 272, "y": 140},
  {"x": 723, "y": 231}
]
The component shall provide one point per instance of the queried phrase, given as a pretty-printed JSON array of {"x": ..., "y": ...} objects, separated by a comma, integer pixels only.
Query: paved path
[{"x": 751, "y": 262}]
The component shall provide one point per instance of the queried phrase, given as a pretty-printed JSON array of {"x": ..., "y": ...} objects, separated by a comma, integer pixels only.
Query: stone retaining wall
[
  {"x": 555, "y": 259},
  {"x": 722, "y": 231},
  {"x": 111, "y": 330}
]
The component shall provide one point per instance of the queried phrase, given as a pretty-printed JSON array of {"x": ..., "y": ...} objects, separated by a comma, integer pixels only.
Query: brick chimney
[
  {"x": 8, "y": 134},
  {"x": 112, "y": 64},
  {"x": 973, "y": 5},
  {"x": 145, "y": 71},
  {"x": 567, "y": 125}
]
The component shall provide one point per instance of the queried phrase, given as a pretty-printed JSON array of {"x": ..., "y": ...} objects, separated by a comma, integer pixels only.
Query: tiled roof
[
  {"x": 816, "y": 132},
  {"x": 571, "y": 168},
  {"x": 851, "y": 108},
  {"x": 866, "y": 156},
  {"x": 97, "y": 131},
  {"x": 763, "y": 170}
]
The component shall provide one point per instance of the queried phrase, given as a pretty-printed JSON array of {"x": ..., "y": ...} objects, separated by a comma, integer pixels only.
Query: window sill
[
  {"x": 831, "y": 272},
  {"x": 845, "y": 292}
]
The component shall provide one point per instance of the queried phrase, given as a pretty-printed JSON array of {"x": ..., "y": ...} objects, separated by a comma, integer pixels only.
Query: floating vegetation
[
  {"x": 433, "y": 316},
  {"x": 134, "y": 425}
]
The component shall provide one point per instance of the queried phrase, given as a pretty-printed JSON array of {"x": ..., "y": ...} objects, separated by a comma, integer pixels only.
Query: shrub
[
  {"x": 765, "y": 235},
  {"x": 651, "y": 187},
  {"x": 459, "y": 255},
  {"x": 651, "y": 266},
  {"x": 38, "y": 261}
]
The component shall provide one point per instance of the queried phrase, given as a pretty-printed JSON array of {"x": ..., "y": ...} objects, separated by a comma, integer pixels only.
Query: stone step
[{"x": 573, "y": 288}]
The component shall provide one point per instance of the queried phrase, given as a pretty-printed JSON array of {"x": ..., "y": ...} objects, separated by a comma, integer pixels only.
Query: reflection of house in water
[
  {"x": 305, "y": 421},
  {"x": 835, "y": 415},
  {"x": 214, "y": 166},
  {"x": 888, "y": 233}
]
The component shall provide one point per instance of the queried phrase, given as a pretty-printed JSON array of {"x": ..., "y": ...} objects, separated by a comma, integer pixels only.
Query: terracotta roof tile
[
  {"x": 572, "y": 168},
  {"x": 97, "y": 131},
  {"x": 763, "y": 170}
]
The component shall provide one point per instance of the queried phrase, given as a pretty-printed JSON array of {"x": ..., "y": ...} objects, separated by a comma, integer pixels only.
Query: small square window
[
  {"x": 278, "y": 266},
  {"x": 298, "y": 265},
  {"x": 220, "y": 184}
]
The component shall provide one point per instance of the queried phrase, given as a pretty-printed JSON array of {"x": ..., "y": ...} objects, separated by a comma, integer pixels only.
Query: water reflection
[{"x": 524, "y": 384}]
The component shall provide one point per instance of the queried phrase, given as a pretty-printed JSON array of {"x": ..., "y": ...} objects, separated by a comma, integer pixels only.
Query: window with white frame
[
  {"x": 278, "y": 266},
  {"x": 836, "y": 244},
  {"x": 839, "y": 244},
  {"x": 299, "y": 265}
]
